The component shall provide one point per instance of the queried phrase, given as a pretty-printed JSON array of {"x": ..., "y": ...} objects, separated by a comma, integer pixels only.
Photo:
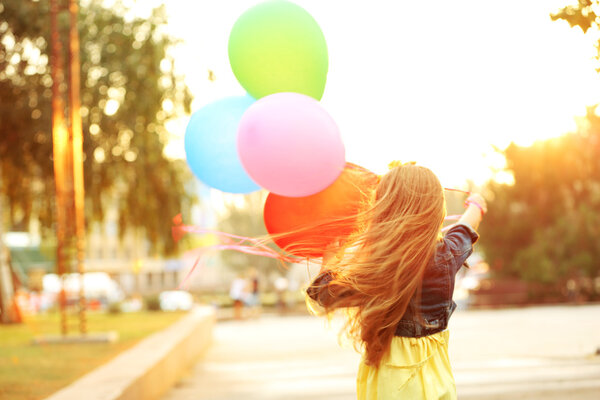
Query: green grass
[{"x": 29, "y": 371}]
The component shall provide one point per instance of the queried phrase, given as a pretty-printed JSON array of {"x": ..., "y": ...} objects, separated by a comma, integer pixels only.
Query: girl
[{"x": 396, "y": 279}]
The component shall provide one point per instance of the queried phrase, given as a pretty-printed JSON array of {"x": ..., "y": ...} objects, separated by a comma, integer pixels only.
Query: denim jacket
[{"x": 436, "y": 304}]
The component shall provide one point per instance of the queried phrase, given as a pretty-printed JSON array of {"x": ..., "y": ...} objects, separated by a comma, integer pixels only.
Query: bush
[
  {"x": 114, "y": 308},
  {"x": 152, "y": 303}
]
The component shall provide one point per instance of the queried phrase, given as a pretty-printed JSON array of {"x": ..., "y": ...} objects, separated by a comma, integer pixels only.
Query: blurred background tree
[
  {"x": 545, "y": 227},
  {"x": 129, "y": 91}
]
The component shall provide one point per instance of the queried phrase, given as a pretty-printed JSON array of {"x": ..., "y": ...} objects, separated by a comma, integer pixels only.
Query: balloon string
[
  {"x": 190, "y": 272},
  {"x": 457, "y": 190},
  {"x": 195, "y": 229},
  {"x": 228, "y": 242},
  {"x": 256, "y": 248},
  {"x": 237, "y": 247}
]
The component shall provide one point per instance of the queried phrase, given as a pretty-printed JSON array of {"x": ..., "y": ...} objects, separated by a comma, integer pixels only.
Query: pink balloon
[{"x": 289, "y": 145}]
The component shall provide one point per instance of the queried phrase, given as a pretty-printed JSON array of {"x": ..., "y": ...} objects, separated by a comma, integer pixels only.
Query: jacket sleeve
[
  {"x": 460, "y": 240},
  {"x": 327, "y": 295},
  {"x": 319, "y": 290}
]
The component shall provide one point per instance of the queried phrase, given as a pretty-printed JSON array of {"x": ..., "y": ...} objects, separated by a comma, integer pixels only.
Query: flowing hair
[{"x": 381, "y": 266}]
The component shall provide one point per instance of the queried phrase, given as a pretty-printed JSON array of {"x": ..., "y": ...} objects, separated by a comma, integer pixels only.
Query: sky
[{"x": 438, "y": 82}]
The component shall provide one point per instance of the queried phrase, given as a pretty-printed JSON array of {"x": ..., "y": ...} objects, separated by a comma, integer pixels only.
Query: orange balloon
[{"x": 306, "y": 226}]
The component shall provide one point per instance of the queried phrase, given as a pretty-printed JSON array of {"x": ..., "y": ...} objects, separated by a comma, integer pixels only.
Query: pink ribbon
[
  {"x": 245, "y": 244},
  {"x": 229, "y": 241}
]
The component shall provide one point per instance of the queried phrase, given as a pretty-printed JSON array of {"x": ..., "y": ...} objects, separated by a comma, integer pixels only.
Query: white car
[{"x": 173, "y": 300}]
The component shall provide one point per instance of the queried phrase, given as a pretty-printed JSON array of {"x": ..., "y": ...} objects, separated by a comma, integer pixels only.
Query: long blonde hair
[{"x": 383, "y": 264}]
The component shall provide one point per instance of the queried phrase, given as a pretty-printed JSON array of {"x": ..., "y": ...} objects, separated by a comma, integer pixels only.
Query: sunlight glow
[
  {"x": 111, "y": 107},
  {"x": 441, "y": 90}
]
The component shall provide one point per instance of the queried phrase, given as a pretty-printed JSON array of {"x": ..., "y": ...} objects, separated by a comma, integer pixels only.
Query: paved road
[{"x": 532, "y": 353}]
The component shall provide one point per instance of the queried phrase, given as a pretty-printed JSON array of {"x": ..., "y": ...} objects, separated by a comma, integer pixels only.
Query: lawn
[{"x": 29, "y": 371}]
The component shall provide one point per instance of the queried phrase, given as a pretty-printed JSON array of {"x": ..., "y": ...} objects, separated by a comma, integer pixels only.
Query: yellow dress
[{"x": 413, "y": 369}]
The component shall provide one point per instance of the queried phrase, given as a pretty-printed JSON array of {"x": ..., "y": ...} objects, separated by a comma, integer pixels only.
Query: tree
[
  {"x": 582, "y": 15},
  {"x": 545, "y": 227},
  {"x": 129, "y": 91},
  {"x": 585, "y": 15}
]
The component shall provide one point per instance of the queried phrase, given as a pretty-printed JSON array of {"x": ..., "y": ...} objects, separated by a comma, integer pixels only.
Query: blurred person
[
  {"x": 396, "y": 276},
  {"x": 253, "y": 294},
  {"x": 293, "y": 288},
  {"x": 281, "y": 286},
  {"x": 237, "y": 292}
]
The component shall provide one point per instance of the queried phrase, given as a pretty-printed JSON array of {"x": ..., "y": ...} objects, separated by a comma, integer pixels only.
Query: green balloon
[{"x": 277, "y": 46}]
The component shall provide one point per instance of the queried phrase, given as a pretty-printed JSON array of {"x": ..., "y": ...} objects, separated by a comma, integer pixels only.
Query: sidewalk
[
  {"x": 151, "y": 367},
  {"x": 526, "y": 353}
]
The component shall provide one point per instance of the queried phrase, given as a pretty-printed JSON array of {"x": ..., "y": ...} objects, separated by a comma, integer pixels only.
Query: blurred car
[
  {"x": 469, "y": 279},
  {"x": 173, "y": 300},
  {"x": 98, "y": 287}
]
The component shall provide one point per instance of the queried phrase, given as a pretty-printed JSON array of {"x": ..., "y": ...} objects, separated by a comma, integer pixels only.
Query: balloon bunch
[{"x": 278, "y": 137}]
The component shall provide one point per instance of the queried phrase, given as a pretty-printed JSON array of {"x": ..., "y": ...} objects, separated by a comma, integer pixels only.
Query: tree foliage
[
  {"x": 545, "y": 227},
  {"x": 129, "y": 91},
  {"x": 582, "y": 14}
]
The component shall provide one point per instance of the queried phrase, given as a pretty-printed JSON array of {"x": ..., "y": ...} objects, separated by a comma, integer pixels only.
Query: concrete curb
[{"x": 149, "y": 369}]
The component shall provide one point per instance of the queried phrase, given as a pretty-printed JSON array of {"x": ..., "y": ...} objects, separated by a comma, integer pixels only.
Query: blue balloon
[{"x": 211, "y": 145}]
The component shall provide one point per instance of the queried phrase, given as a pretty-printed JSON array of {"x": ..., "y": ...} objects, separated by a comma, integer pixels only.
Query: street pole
[
  {"x": 59, "y": 141},
  {"x": 77, "y": 152}
]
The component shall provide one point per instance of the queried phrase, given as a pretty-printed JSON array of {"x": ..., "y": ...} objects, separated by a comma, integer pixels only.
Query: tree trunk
[
  {"x": 8, "y": 306},
  {"x": 60, "y": 139},
  {"x": 77, "y": 154}
]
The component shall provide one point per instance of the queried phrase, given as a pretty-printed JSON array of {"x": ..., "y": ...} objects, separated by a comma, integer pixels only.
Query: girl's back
[{"x": 399, "y": 281}]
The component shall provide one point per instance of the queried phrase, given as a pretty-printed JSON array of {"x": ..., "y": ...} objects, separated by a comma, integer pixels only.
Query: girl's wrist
[{"x": 476, "y": 204}]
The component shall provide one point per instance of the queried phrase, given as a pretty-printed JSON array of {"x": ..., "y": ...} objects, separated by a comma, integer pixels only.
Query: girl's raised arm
[{"x": 476, "y": 207}]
